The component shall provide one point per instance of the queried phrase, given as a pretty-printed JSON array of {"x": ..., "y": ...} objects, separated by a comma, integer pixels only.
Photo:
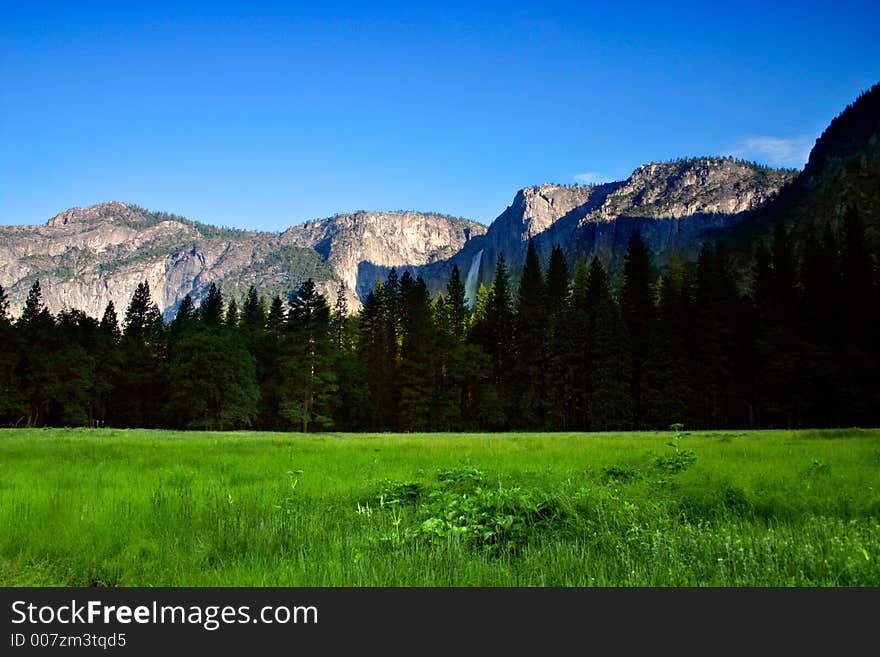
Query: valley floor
[{"x": 162, "y": 508}]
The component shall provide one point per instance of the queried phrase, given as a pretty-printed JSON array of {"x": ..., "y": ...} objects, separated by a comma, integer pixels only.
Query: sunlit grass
[{"x": 162, "y": 508}]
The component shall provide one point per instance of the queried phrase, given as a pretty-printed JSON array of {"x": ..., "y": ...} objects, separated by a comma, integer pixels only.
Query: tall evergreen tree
[
  {"x": 34, "y": 310},
  {"x": 276, "y": 317},
  {"x": 493, "y": 332},
  {"x": 575, "y": 353},
  {"x": 4, "y": 306},
  {"x": 418, "y": 345},
  {"x": 371, "y": 350},
  {"x": 141, "y": 392},
  {"x": 860, "y": 318},
  {"x": 110, "y": 322},
  {"x": 36, "y": 375},
  {"x": 11, "y": 401},
  {"x": 610, "y": 402},
  {"x": 456, "y": 306},
  {"x": 253, "y": 313},
  {"x": 307, "y": 362},
  {"x": 231, "y": 319},
  {"x": 211, "y": 310},
  {"x": 186, "y": 316},
  {"x": 143, "y": 321},
  {"x": 637, "y": 306},
  {"x": 530, "y": 344},
  {"x": 558, "y": 287},
  {"x": 779, "y": 357},
  {"x": 665, "y": 391}
]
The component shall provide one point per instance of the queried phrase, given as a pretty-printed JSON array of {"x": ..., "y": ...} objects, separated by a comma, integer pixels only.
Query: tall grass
[{"x": 158, "y": 508}]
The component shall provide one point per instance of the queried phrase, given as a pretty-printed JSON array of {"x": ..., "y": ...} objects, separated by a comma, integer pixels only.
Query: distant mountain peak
[{"x": 106, "y": 211}]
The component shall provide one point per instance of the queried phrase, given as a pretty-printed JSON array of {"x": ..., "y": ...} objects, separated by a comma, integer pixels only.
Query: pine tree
[
  {"x": 108, "y": 363},
  {"x": 558, "y": 282},
  {"x": 307, "y": 365},
  {"x": 530, "y": 344},
  {"x": 665, "y": 391},
  {"x": 186, "y": 316},
  {"x": 371, "y": 350},
  {"x": 215, "y": 385},
  {"x": 456, "y": 306},
  {"x": 492, "y": 331},
  {"x": 558, "y": 288},
  {"x": 4, "y": 306},
  {"x": 12, "y": 405},
  {"x": 211, "y": 310},
  {"x": 34, "y": 310},
  {"x": 142, "y": 318},
  {"x": 231, "y": 319},
  {"x": 418, "y": 344},
  {"x": 859, "y": 319},
  {"x": 778, "y": 350},
  {"x": 110, "y": 322},
  {"x": 822, "y": 379},
  {"x": 637, "y": 306},
  {"x": 253, "y": 314},
  {"x": 142, "y": 388},
  {"x": 610, "y": 402},
  {"x": 276, "y": 317},
  {"x": 575, "y": 353}
]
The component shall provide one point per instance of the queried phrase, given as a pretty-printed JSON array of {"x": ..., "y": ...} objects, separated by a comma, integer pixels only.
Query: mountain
[
  {"x": 676, "y": 206},
  {"x": 841, "y": 174},
  {"x": 85, "y": 257}
]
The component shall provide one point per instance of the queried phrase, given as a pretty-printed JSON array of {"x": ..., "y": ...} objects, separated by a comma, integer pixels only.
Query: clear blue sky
[{"x": 263, "y": 115}]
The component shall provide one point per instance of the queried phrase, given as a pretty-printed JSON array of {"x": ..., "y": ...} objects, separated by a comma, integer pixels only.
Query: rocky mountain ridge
[
  {"x": 85, "y": 257},
  {"x": 675, "y": 206}
]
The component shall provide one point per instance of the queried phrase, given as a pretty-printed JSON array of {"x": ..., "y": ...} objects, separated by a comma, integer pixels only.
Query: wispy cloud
[
  {"x": 589, "y": 177},
  {"x": 775, "y": 151}
]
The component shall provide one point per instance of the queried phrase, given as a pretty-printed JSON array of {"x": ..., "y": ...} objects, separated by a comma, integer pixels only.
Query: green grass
[{"x": 161, "y": 508}]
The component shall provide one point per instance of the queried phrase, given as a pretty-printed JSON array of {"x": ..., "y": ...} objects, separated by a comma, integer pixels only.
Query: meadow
[{"x": 109, "y": 507}]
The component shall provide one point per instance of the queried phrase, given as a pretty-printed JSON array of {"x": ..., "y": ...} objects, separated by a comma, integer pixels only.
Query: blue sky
[{"x": 263, "y": 115}]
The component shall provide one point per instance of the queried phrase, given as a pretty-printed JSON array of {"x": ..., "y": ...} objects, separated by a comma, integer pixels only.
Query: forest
[{"x": 793, "y": 343}]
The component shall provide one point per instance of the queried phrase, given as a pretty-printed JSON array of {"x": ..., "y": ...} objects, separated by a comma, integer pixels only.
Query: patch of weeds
[
  {"x": 621, "y": 473},
  {"x": 679, "y": 461},
  {"x": 818, "y": 469},
  {"x": 461, "y": 478},
  {"x": 494, "y": 519},
  {"x": 399, "y": 492}
]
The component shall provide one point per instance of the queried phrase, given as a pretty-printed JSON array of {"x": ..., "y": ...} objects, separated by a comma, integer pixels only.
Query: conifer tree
[
  {"x": 276, "y": 317},
  {"x": 610, "y": 403},
  {"x": 665, "y": 391},
  {"x": 110, "y": 322},
  {"x": 231, "y": 319},
  {"x": 418, "y": 344},
  {"x": 4, "y": 306},
  {"x": 253, "y": 314},
  {"x": 456, "y": 306},
  {"x": 637, "y": 306},
  {"x": 530, "y": 344},
  {"x": 558, "y": 287},
  {"x": 211, "y": 310},
  {"x": 307, "y": 362}
]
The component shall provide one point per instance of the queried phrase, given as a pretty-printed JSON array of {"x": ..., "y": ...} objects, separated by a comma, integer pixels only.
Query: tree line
[{"x": 795, "y": 345}]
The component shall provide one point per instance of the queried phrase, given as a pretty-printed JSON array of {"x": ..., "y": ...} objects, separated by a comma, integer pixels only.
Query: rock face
[
  {"x": 360, "y": 246},
  {"x": 675, "y": 206},
  {"x": 85, "y": 257}
]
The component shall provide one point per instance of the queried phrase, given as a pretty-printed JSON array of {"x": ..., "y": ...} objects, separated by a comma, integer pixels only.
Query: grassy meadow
[{"x": 161, "y": 508}]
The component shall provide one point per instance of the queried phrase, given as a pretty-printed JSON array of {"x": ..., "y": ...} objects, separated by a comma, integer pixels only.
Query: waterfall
[{"x": 470, "y": 283}]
